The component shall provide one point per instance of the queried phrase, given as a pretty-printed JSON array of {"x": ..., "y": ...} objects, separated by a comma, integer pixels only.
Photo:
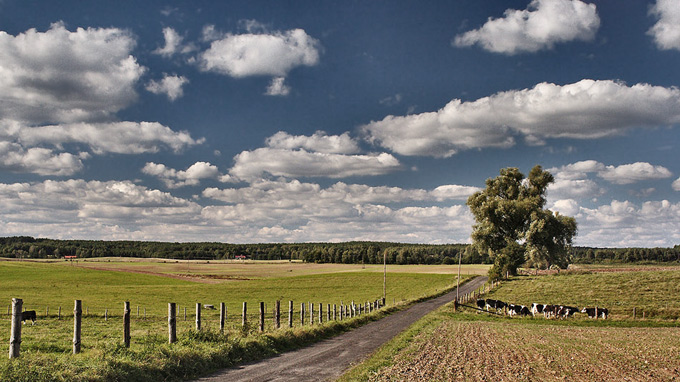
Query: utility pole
[
  {"x": 384, "y": 276},
  {"x": 458, "y": 284}
]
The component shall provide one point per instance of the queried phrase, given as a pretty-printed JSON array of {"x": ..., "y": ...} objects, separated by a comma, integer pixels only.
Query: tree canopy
[{"x": 512, "y": 225}]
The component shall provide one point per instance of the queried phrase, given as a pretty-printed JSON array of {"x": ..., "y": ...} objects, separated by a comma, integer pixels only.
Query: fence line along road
[{"x": 329, "y": 359}]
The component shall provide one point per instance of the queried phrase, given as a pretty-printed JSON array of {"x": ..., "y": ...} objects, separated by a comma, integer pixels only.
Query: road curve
[{"x": 329, "y": 359}]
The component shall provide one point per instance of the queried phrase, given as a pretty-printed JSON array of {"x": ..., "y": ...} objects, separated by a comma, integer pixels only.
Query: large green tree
[{"x": 512, "y": 225}]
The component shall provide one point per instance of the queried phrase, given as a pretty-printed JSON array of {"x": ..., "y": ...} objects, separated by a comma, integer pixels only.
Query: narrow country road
[{"x": 329, "y": 359}]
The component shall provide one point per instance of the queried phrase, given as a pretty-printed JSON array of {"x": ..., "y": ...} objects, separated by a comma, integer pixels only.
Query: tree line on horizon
[{"x": 25, "y": 247}]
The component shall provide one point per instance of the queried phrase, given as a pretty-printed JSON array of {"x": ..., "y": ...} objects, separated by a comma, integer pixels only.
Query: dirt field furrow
[{"x": 492, "y": 351}]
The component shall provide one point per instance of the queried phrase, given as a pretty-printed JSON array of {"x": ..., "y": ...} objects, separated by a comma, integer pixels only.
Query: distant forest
[{"x": 348, "y": 253}]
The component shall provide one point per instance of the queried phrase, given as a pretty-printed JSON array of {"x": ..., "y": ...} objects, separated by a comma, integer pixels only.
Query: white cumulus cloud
[
  {"x": 273, "y": 54},
  {"x": 634, "y": 172},
  {"x": 319, "y": 155},
  {"x": 61, "y": 76},
  {"x": 277, "y": 87},
  {"x": 113, "y": 137},
  {"x": 173, "y": 44},
  {"x": 192, "y": 176},
  {"x": 543, "y": 24},
  {"x": 171, "y": 86},
  {"x": 666, "y": 32},
  {"x": 301, "y": 163},
  {"x": 623, "y": 174},
  {"x": 41, "y": 161},
  {"x": 318, "y": 142},
  {"x": 588, "y": 109}
]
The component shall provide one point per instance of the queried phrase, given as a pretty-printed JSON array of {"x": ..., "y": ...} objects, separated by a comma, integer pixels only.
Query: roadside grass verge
[{"x": 46, "y": 347}]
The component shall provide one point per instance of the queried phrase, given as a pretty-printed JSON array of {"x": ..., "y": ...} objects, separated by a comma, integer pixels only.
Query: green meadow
[
  {"x": 46, "y": 347},
  {"x": 650, "y": 292}
]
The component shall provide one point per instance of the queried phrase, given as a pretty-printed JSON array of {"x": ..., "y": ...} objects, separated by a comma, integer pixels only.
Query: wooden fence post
[
  {"x": 198, "y": 316},
  {"x": 311, "y": 313},
  {"x": 47, "y": 312},
  {"x": 15, "y": 334},
  {"x": 335, "y": 312},
  {"x": 77, "y": 324},
  {"x": 320, "y": 313},
  {"x": 126, "y": 324},
  {"x": 223, "y": 316},
  {"x": 244, "y": 317},
  {"x": 261, "y": 316},
  {"x": 106, "y": 315},
  {"x": 302, "y": 314},
  {"x": 328, "y": 315},
  {"x": 172, "y": 323},
  {"x": 634, "y": 313},
  {"x": 185, "y": 313},
  {"x": 290, "y": 314},
  {"x": 59, "y": 315},
  {"x": 277, "y": 314}
]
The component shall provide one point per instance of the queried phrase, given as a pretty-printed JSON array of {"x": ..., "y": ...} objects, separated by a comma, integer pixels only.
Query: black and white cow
[
  {"x": 481, "y": 303},
  {"x": 567, "y": 311},
  {"x": 28, "y": 315},
  {"x": 518, "y": 309},
  {"x": 536, "y": 309},
  {"x": 550, "y": 311},
  {"x": 495, "y": 304},
  {"x": 596, "y": 312}
]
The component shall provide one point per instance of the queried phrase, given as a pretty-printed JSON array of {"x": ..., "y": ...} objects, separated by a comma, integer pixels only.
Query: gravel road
[{"x": 329, "y": 359}]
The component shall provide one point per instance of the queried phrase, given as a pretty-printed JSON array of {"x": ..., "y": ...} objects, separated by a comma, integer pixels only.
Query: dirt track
[{"x": 329, "y": 359}]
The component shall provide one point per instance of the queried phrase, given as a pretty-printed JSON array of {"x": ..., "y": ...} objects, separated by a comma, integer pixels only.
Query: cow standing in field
[
  {"x": 481, "y": 304},
  {"x": 495, "y": 304},
  {"x": 28, "y": 315},
  {"x": 536, "y": 309},
  {"x": 596, "y": 312},
  {"x": 550, "y": 311},
  {"x": 518, "y": 309},
  {"x": 567, "y": 311}
]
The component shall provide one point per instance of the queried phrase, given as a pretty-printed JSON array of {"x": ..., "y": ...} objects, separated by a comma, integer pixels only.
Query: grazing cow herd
[{"x": 548, "y": 311}]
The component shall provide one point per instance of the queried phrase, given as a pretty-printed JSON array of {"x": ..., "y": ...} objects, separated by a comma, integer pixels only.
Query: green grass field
[
  {"x": 46, "y": 346},
  {"x": 653, "y": 293}
]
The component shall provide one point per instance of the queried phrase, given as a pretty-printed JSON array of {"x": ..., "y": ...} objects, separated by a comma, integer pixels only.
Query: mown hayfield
[
  {"x": 46, "y": 346},
  {"x": 470, "y": 345},
  {"x": 234, "y": 270}
]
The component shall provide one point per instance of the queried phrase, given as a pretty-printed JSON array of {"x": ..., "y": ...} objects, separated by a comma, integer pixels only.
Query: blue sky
[{"x": 272, "y": 121}]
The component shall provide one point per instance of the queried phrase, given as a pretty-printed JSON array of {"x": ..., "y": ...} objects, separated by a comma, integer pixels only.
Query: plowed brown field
[{"x": 497, "y": 351}]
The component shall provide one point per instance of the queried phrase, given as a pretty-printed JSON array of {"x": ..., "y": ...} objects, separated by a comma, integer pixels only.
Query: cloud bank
[
  {"x": 319, "y": 155},
  {"x": 587, "y": 109},
  {"x": 59, "y": 93}
]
